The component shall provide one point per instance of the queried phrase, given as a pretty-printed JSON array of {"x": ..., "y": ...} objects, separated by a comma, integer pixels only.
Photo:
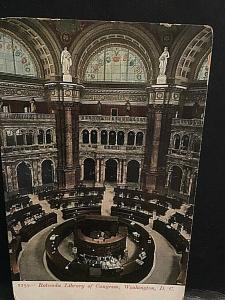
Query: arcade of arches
[{"x": 120, "y": 125}]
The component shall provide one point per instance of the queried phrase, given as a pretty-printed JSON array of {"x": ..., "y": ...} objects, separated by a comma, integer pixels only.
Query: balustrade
[
  {"x": 187, "y": 122},
  {"x": 26, "y": 116},
  {"x": 115, "y": 119}
]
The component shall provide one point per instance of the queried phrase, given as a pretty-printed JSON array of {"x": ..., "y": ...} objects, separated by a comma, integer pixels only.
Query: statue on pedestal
[
  {"x": 128, "y": 107},
  {"x": 66, "y": 62},
  {"x": 32, "y": 106},
  {"x": 99, "y": 107},
  {"x": 163, "y": 60}
]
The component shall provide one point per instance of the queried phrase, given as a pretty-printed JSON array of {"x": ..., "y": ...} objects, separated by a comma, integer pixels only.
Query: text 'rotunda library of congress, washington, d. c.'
[{"x": 100, "y": 131}]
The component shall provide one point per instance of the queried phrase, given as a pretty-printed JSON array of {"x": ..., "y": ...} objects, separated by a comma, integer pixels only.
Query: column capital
[
  {"x": 165, "y": 93},
  {"x": 64, "y": 91}
]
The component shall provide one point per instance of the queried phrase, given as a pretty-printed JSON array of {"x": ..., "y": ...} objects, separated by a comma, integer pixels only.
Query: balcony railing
[
  {"x": 113, "y": 119},
  {"x": 40, "y": 147},
  {"x": 188, "y": 122},
  {"x": 184, "y": 153},
  {"x": 26, "y": 116},
  {"x": 95, "y": 147}
]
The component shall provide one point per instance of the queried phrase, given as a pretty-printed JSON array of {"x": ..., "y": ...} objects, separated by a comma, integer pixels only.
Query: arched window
[
  {"x": 176, "y": 177},
  {"x": 185, "y": 142},
  {"x": 203, "y": 73},
  {"x": 24, "y": 178},
  {"x": 10, "y": 138},
  {"x": 89, "y": 169},
  {"x": 47, "y": 170},
  {"x": 131, "y": 138},
  {"x": 120, "y": 138},
  {"x": 176, "y": 141},
  {"x": 30, "y": 137},
  {"x": 116, "y": 64},
  {"x": 104, "y": 137},
  {"x": 139, "y": 139},
  {"x": 20, "y": 138},
  {"x": 94, "y": 137},
  {"x": 111, "y": 170},
  {"x": 15, "y": 58},
  {"x": 196, "y": 145},
  {"x": 40, "y": 136},
  {"x": 112, "y": 138},
  {"x": 49, "y": 136},
  {"x": 85, "y": 136},
  {"x": 133, "y": 168}
]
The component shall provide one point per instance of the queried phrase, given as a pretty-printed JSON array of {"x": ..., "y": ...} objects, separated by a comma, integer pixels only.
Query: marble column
[
  {"x": 9, "y": 178},
  {"x": 36, "y": 136},
  {"x": 69, "y": 170},
  {"x": 64, "y": 98},
  {"x": 102, "y": 180},
  {"x": 14, "y": 177},
  {"x": 124, "y": 172},
  {"x": 152, "y": 181},
  {"x": 190, "y": 184},
  {"x": 184, "y": 182},
  {"x": 97, "y": 170},
  {"x": 139, "y": 177},
  {"x": 168, "y": 178},
  {"x": 82, "y": 170},
  {"x": 39, "y": 173},
  {"x": 35, "y": 173}
]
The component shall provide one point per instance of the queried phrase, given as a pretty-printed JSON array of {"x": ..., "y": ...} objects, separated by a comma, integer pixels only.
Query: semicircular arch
[{"x": 103, "y": 33}]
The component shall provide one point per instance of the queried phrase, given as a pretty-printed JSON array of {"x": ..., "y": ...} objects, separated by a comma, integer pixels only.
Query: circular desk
[{"x": 132, "y": 271}]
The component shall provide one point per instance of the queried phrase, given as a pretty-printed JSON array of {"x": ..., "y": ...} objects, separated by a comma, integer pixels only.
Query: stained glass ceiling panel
[
  {"x": 116, "y": 64},
  {"x": 15, "y": 58}
]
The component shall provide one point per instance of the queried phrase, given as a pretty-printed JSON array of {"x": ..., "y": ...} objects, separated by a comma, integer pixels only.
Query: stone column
[
  {"x": 9, "y": 178},
  {"x": 98, "y": 137},
  {"x": 190, "y": 184},
  {"x": 44, "y": 138},
  {"x": 97, "y": 170},
  {"x": 163, "y": 102},
  {"x": 69, "y": 170},
  {"x": 64, "y": 98},
  {"x": 124, "y": 172},
  {"x": 152, "y": 182},
  {"x": 119, "y": 171},
  {"x": 36, "y": 136},
  {"x": 35, "y": 173},
  {"x": 82, "y": 170},
  {"x": 139, "y": 178},
  {"x": 14, "y": 178},
  {"x": 168, "y": 178},
  {"x": 102, "y": 180},
  {"x": 39, "y": 173}
]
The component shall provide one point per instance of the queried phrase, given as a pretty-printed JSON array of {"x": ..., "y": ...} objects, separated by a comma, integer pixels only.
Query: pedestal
[
  {"x": 67, "y": 78},
  {"x": 69, "y": 178},
  {"x": 161, "y": 79}
]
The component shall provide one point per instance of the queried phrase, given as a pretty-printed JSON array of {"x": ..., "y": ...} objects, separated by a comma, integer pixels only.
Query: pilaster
[
  {"x": 163, "y": 102},
  {"x": 65, "y": 97}
]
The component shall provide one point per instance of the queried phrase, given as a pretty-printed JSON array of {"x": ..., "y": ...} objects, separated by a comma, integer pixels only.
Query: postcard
[{"x": 101, "y": 127}]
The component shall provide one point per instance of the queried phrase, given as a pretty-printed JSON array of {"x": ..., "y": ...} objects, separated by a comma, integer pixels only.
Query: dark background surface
[{"x": 207, "y": 260}]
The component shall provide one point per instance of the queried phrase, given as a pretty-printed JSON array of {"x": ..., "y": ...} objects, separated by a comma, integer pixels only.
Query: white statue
[
  {"x": 66, "y": 61},
  {"x": 163, "y": 59},
  {"x": 32, "y": 106}
]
